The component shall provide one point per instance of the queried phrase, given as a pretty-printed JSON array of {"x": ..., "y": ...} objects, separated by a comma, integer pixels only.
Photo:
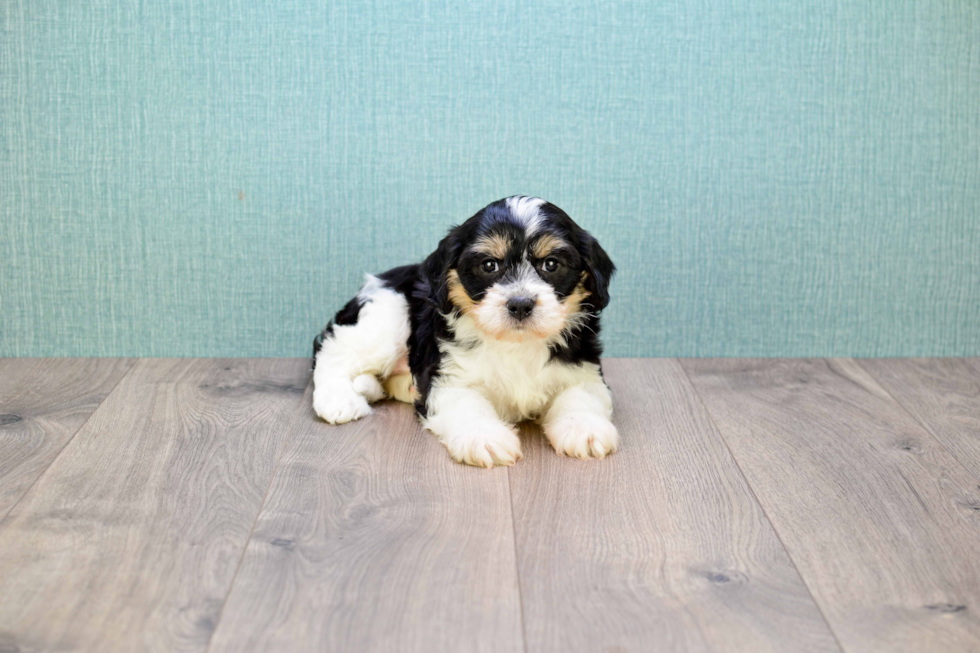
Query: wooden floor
[{"x": 754, "y": 505}]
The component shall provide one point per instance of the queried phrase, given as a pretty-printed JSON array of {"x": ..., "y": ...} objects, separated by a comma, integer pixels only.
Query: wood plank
[
  {"x": 943, "y": 394},
  {"x": 660, "y": 546},
  {"x": 881, "y": 521},
  {"x": 372, "y": 539},
  {"x": 43, "y": 403},
  {"x": 131, "y": 539}
]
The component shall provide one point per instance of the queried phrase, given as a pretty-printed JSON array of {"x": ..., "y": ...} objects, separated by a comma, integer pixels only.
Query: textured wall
[{"x": 777, "y": 177}]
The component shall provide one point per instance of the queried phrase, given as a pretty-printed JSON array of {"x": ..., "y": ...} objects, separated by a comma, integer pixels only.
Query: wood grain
[
  {"x": 660, "y": 547},
  {"x": 43, "y": 403},
  {"x": 372, "y": 539},
  {"x": 131, "y": 539},
  {"x": 943, "y": 394},
  {"x": 880, "y": 519}
]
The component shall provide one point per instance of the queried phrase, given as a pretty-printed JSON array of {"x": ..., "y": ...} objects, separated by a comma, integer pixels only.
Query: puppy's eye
[
  {"x": 551, "y": 264},
  {"x": 489, "y": 266}
]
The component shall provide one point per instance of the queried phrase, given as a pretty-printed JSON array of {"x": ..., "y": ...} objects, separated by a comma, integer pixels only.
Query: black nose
[{"x": 520, "y": 307}]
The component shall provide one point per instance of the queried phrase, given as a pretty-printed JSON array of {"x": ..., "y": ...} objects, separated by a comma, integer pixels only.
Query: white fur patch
[
  {"x": 355, "y": 355},
  {"x": 518, "y": 378},
  {"x": 525, "y": 210}
]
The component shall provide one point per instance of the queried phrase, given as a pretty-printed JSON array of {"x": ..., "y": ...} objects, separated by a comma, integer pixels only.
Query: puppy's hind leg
[{"x": 365, "y": 341}]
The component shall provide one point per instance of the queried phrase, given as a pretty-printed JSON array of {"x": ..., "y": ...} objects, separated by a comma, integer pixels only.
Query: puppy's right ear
[{"x": 436, "y": 267}]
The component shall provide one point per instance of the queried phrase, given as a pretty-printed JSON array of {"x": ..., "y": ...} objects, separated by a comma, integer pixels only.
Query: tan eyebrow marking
[
  {"x": 546, "y": 245},
  {"x": 496, "y": 245}
]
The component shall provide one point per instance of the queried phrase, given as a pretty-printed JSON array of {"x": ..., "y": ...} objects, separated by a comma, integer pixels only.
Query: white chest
[{"x": 519, "y": 378}]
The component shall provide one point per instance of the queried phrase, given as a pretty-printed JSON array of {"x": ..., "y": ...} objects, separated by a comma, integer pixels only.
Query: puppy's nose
[{"x": 520, "y": 307}]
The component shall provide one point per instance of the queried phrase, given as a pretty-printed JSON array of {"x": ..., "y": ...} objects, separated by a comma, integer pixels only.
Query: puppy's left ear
[
  {"x": 436, "y": 267},
  {"x": 600, "y": 269}
]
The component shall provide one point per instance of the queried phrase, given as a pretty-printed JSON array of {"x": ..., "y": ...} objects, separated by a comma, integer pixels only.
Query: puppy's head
[{"x": 521, "y": 269}]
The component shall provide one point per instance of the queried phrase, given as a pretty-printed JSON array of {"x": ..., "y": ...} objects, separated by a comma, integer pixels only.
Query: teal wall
[{"x": 211, "y": 177}]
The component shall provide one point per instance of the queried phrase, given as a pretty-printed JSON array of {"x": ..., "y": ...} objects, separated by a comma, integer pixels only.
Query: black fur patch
[
  {"x": 344, "y": 317},
  {"x": 426, "y": 302},
  {"x": 401, "y": 279}
]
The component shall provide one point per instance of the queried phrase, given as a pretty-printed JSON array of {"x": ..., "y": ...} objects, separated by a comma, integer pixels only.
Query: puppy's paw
[
  {"x": 486, "y": 445},
  {"x": 582, "y": 435},
  {"x": 338, "y": 403},
  {"x": 368, "y": 386},
  {"x": 400, "y": 388}
]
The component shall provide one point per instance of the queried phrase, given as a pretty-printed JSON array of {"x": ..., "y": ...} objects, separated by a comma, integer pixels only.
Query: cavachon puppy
[{"x": 498, "y": 325}]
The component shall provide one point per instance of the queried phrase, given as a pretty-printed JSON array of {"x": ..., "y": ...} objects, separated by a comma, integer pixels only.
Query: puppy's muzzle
[{"x": 520, "y": 307}]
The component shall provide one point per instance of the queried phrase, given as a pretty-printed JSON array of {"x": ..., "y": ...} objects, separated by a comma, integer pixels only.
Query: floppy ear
[
  {"x": 600, "y": 269},
  {"x": 436, "y": 267}
]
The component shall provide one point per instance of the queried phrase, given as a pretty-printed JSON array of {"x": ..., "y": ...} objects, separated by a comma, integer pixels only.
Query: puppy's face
[{"x": 523, "y": 269}]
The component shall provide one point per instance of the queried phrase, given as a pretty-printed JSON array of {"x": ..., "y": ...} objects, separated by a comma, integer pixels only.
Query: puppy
[{"x": 498, "y": 325}]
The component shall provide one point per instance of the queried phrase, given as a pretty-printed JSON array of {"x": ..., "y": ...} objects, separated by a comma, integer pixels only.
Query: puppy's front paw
[
  {"x": 582, "y": 435},
  {"x": 486, "y": 445},
  {"x": 338, "y": 404}
]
